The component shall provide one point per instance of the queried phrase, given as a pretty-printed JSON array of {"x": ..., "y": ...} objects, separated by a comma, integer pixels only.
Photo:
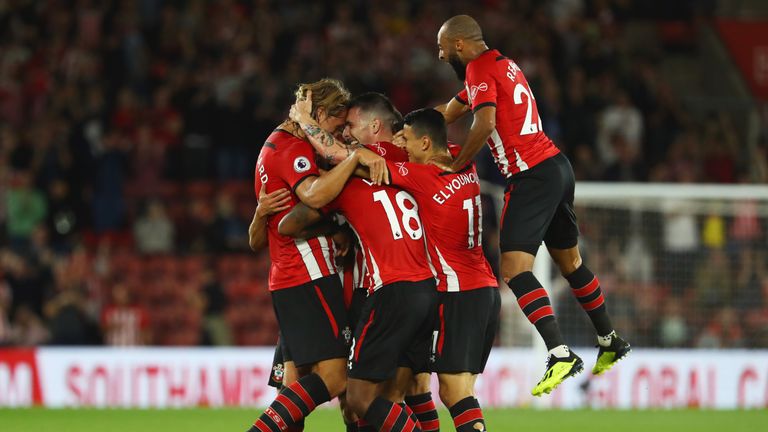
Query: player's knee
[
  {"x": 420, "y": 385},
  {"x": 514, "y": 263},
  {"x": 357, "y": 403},
  {"x": 448, "y": 396},
  {"x": 511, "y": 271},
  {"x": 453, "y": 390},
  {"x": 568, "y": 261},
  {"x": 336, "y": 383},
  {"x": 334, "y": 377}
]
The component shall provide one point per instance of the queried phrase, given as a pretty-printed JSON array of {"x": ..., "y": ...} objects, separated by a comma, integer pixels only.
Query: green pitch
[{"x": 238, "y": 420}]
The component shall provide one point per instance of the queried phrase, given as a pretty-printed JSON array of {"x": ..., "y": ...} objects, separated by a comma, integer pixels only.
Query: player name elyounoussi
[{"x": 454, "y": 185}]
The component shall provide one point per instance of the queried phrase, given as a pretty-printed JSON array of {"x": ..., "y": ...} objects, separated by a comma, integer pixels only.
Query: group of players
[{"x": 351, "y": 180}]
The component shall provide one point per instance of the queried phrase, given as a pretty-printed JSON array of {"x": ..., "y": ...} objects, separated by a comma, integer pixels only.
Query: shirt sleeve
[
  {"x": 389, "y": 151},
  {"x": 461, "y": 97},
  {"x": 404, "y": 175},
  {"x": 482, "y": 86},
  {"x": 298, "y": 163}
]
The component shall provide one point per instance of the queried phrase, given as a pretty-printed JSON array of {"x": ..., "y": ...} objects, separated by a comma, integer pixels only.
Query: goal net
[{"x": 681, "y": 266}]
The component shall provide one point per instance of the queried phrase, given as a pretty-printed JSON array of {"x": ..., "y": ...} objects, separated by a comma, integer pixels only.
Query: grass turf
[{"x": 238, "y": 420}]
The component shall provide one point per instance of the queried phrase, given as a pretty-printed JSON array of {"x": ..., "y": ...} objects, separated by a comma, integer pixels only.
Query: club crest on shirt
[
  {"x": 278, "y": 372},
  {"x": 401, "y": 168},
  {"x": 380, "y": 150},
  {"x": 301, "y": 164},
  {"x": 347, "y": 335},
  {"x": 476, "y": 89}
]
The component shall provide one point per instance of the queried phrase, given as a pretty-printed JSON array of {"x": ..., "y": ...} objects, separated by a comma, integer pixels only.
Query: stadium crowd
[{"x": 129, "y": 131}]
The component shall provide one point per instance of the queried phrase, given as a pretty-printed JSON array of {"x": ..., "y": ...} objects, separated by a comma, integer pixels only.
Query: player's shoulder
[
  {"x": 281, "y": 138},
  {"x": 286, "y": 144},
  {"x": 388, "y": 151},
  {"x": 486, "y": 60}
]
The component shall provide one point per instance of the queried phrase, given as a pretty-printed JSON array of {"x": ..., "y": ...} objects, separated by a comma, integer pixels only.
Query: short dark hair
[
  {"x": 379, "y": 105},
  {"x": 429, "y": 122}
]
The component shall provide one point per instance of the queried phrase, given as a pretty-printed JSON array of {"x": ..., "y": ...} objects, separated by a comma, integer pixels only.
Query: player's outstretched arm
[
  {"x": 482, "y": 126},
  {"x": 452, "y": 110},
  {"x": 304, "y": 222},
  {"x": 269, "y": 204}
]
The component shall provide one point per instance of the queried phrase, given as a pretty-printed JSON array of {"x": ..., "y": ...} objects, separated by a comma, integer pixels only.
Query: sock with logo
[{"x": 292, "y": 405}]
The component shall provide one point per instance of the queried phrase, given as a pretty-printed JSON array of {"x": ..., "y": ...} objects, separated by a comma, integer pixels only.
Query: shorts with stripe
[
  {"x": 313, "y": 321},
  {"x": 465, "y": 330},
  {"x": 359, "y": 298},
  {"x": 394, "y": 331},
  {"x": 538, "y": 206}
]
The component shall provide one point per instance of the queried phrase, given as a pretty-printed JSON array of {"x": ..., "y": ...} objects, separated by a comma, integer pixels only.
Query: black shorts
[
  {"x": 359, "y": 297},
  {"x": 538, "y": 205},
  {"x": 277, "y": 374},
  {"x": 397, "y": 322},
  {"x": 465, "y": 329},
  {"x": 313, "y": 321}
]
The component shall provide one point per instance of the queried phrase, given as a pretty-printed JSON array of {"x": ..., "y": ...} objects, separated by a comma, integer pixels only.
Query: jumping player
[{"x": 539, "y": 194}]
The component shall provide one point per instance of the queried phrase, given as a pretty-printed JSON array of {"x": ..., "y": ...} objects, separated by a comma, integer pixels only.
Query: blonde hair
[{"x": 328, "y": 93}]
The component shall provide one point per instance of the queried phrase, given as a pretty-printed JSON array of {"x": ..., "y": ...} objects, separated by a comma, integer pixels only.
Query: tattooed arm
[
  {"x": 326, "y": 145},
  {"x": 333, "y": 150}
]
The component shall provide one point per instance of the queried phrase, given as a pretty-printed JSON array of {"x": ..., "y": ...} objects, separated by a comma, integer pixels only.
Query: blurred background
[{"x": 129, "y": 132}]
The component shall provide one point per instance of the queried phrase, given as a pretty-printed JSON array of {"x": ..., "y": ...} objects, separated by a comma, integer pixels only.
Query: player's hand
[
  {"x": 301, "y": 111},
  {"x": 399, "y": 139},
  {"x": 271, "y": 203},
  {"x": 376, "y": 164},
  {"x": 342, "y": 241}
]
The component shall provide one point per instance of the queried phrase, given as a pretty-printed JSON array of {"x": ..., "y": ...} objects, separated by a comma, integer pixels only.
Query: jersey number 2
[
  {"x": 529, "y": 127},
  {"x": 409, "y": 214}
]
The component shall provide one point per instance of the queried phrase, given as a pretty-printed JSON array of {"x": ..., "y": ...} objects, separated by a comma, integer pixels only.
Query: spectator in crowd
[
  {"x": 681, "y": 244},
  {"x": 215, "y": 305},
  {"x": 68, "y": 320},
  {"x": 153, "y": 231},
  {"x": 124, "y": 323},
  {"x": 105, "y": 104},
  {"x": 713, "y": 282},
  {"x": 28, "y": 328},
  {"x": 231, "y": 232},
  {"x": 673, "y": 327},
  {"x": 623, "y": 120},
  {"x": 6, "y": 331},
  {"x": 627, "y": 166},
  {"x": 26, "y": 208},
  {"x": 722, "y": 331},
  {"x": 65, "y": 215}
]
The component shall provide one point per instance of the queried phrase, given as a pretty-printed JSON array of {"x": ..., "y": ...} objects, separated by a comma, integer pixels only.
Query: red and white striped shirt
[
  {"x": 124, "y": 325},
  {"x": 387, "y": 224},
  {"x": 453, "y": 218},
  {"x": 518, "y": 142},
  {"x": 284, "y": 162}
]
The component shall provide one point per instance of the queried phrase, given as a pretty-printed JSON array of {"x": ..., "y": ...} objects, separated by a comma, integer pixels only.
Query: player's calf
[{"x": 456, "y": 393}]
